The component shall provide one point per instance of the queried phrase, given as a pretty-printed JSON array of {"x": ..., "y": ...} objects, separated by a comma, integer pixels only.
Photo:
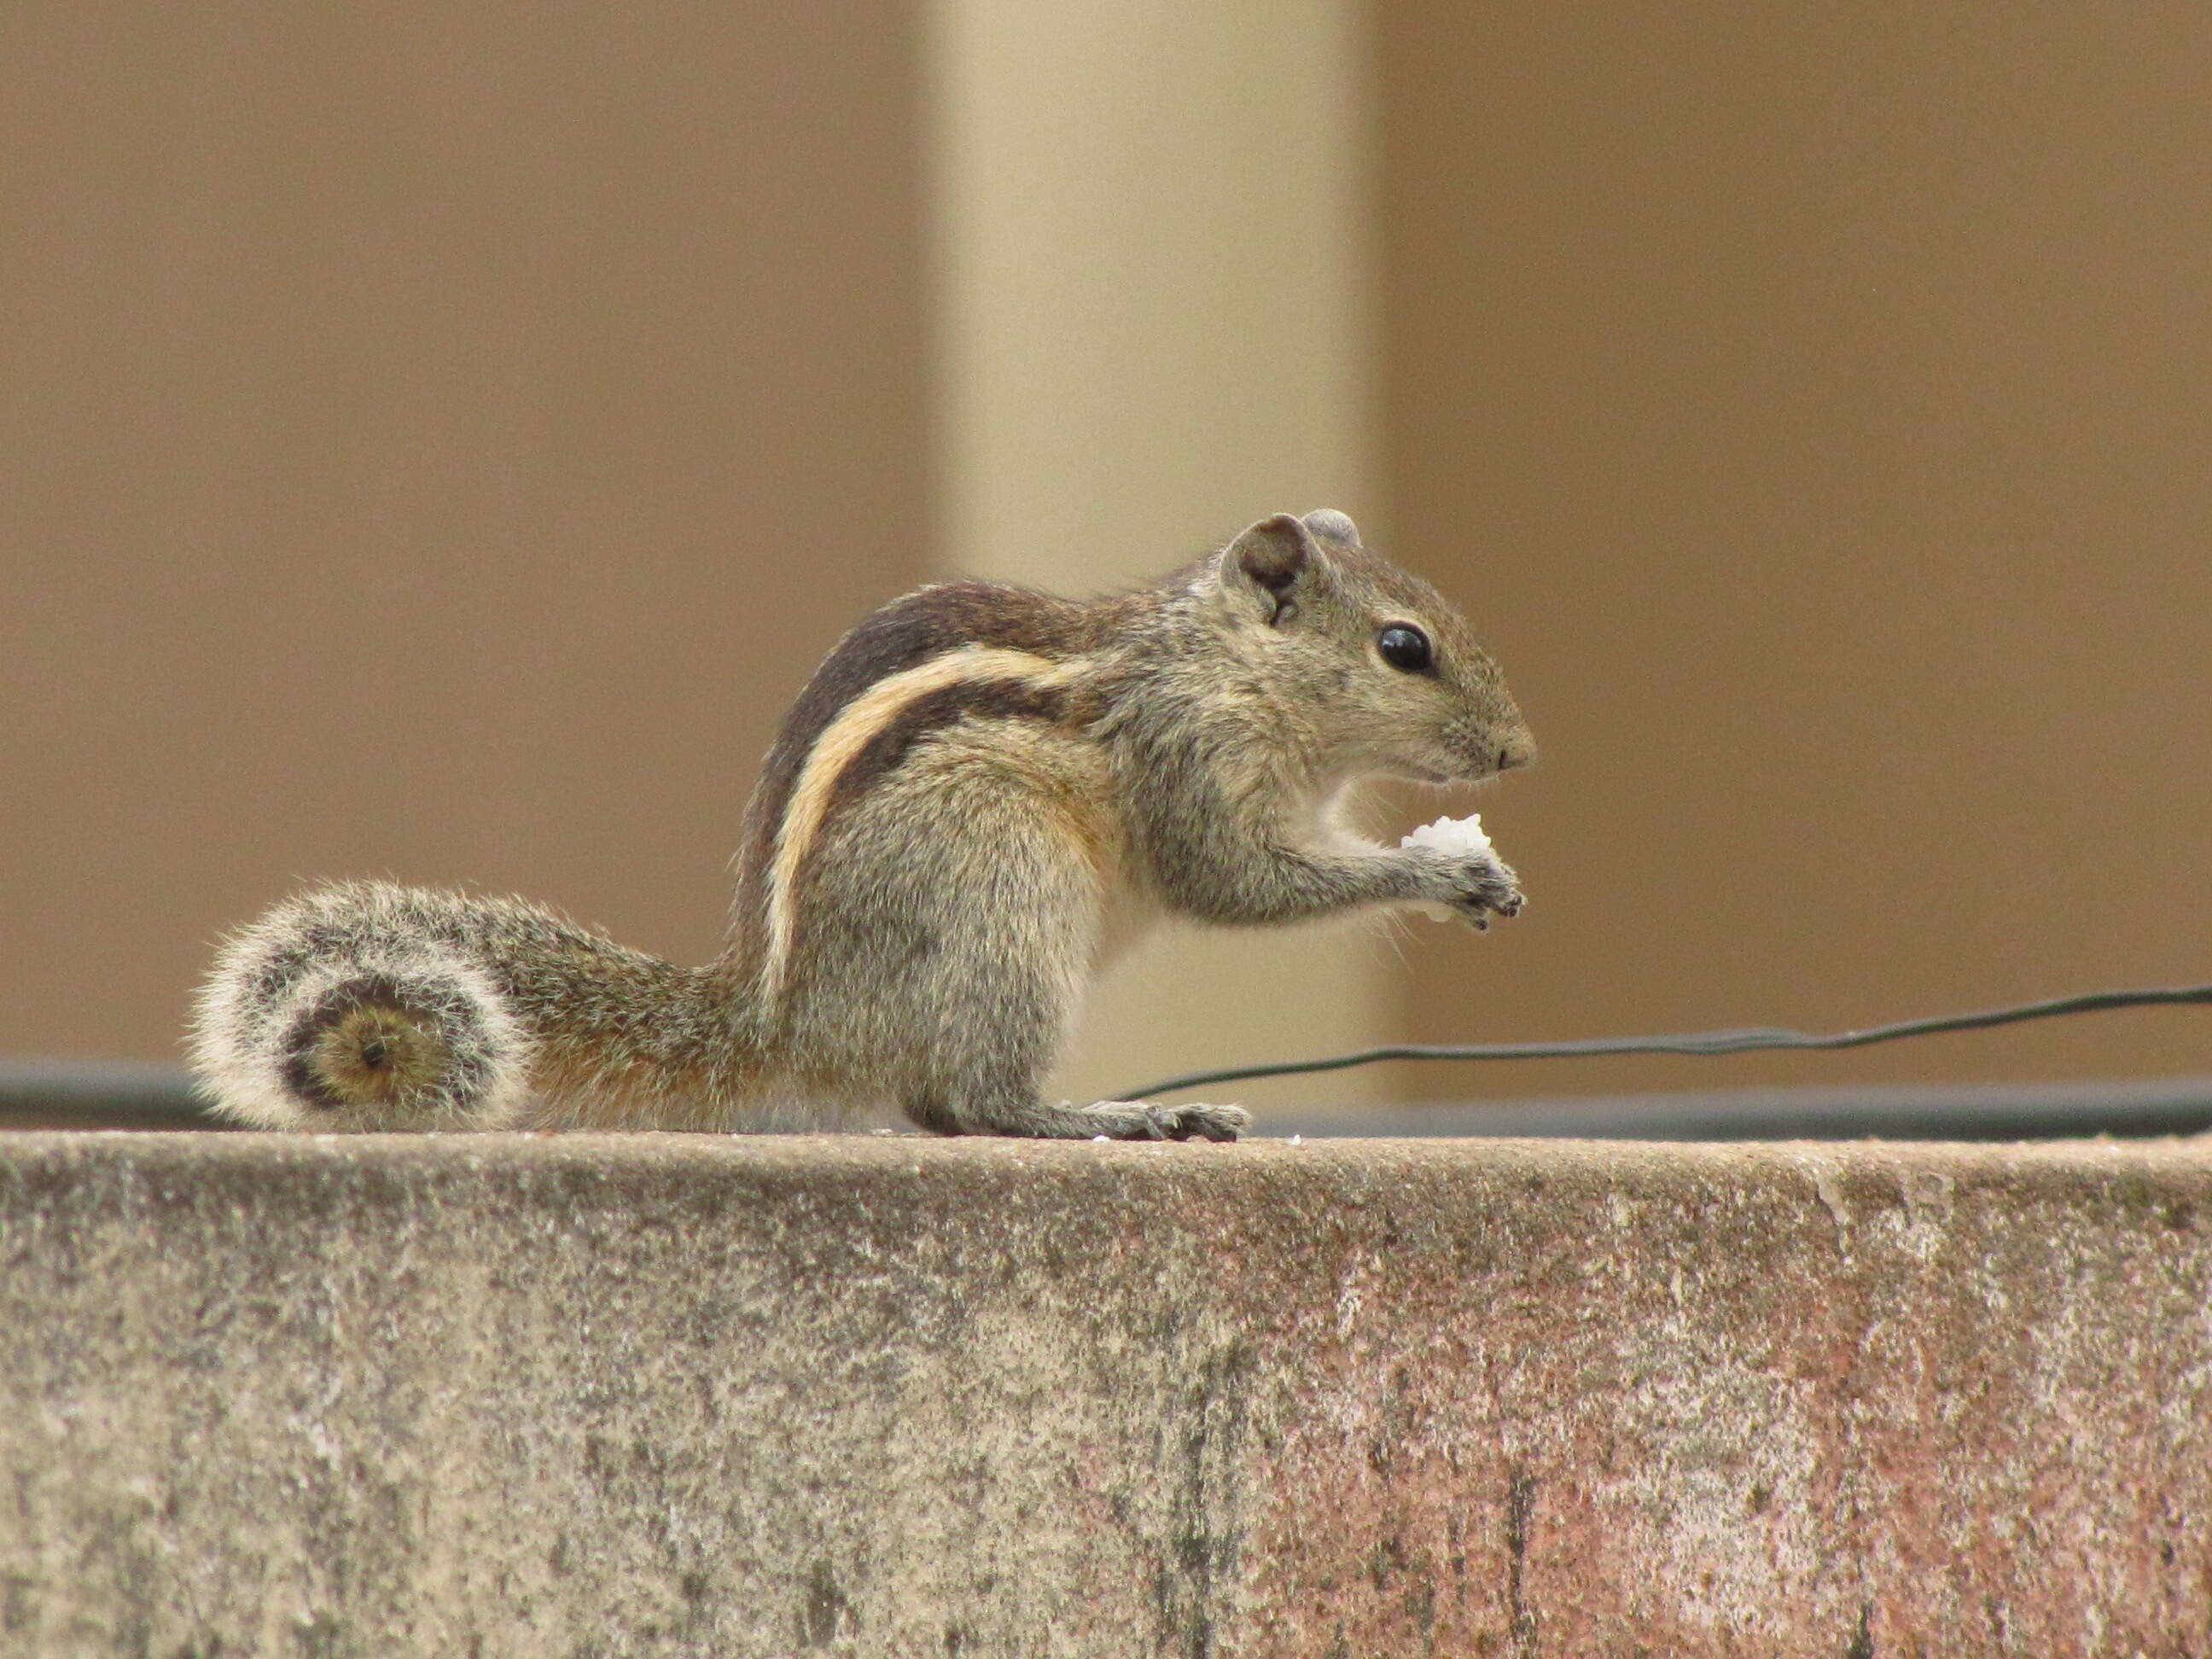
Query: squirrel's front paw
[{"x": 1479, "y": 887}]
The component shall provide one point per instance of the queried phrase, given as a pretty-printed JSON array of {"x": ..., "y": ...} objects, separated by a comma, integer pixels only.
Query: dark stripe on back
[
  {"x": 948, "y": 704},
  {"x": 903, "y": 634}
]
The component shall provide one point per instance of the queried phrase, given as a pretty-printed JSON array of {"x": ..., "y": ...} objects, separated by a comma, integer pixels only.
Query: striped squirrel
[{"x": 975, "y": 780}]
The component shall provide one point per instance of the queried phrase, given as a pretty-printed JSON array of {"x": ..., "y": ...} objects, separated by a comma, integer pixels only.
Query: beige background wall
[
  {"x": 436, "y": 442},
  {"x": 1817, "y": 405}
]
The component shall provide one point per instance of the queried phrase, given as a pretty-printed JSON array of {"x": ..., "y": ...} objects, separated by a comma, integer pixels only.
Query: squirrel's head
[{"x": 1403, "y": 687}]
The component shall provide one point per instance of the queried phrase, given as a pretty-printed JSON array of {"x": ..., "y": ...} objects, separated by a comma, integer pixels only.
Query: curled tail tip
[
  {"x": 411, "y": 1040},
  {"x": 372, "y": 1045}
]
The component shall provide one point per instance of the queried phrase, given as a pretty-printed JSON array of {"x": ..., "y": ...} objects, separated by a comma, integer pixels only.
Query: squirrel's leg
[
  {"x": 1227, "y": 853},
  {"x": 996, "y": 1093},
  {"x": 1270, "y": 879},
  {"x": 942, "y": 971}
]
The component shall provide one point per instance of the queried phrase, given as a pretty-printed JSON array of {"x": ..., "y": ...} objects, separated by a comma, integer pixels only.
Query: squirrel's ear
[
  {"x": 1330, "y": 525},
  {"x": 1262, "y": 568}
]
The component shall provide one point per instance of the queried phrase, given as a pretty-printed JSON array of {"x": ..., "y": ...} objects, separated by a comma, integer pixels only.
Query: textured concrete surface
[{"x": 510, "y": 1395}]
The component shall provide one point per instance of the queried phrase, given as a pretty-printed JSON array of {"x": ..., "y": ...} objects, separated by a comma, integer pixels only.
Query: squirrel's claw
[
  {"x": 1493, "y": 890},
  {"x": 1152, "y": 1122}
]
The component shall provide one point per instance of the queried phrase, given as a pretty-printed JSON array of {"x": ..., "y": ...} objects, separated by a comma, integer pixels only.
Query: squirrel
[{"x": 973, "y": 780}]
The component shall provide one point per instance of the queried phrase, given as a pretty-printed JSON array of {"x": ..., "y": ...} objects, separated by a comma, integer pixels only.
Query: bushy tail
[{"x": 360, "y": 1006}]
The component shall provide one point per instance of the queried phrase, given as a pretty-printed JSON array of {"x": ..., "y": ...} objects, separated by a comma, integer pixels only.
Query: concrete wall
[{"x": 655, "y": 1395}]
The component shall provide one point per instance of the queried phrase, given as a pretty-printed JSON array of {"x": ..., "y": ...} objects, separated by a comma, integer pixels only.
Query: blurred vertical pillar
[{"x": 1150, "y": 314}]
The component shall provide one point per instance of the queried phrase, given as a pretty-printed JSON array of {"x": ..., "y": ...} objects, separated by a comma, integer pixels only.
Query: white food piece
[
  {"x": 1462, "y": 838},
  {"x": 1452, "y": 835}
]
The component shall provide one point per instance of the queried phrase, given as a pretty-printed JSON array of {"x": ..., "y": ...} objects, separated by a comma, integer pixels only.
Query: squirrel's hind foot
[
  {"x": 1141, "y": 1119},
  {"x": 1195, "y": 1122},
  {"x": 1107, "y": 1119}
]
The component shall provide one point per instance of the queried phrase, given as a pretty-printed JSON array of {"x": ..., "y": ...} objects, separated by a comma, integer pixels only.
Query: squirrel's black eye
[{"x": 1404, "y": 646}]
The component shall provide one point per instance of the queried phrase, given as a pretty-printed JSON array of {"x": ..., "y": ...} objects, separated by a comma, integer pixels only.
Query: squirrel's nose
[{"x": 1519, "y": 750}]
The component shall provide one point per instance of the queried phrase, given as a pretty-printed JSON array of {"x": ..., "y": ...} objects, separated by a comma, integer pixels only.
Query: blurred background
[{"x": 438, "y": 441}]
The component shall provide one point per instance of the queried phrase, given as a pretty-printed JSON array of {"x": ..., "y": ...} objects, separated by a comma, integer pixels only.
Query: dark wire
[{"x": 1695, "y": 1043}]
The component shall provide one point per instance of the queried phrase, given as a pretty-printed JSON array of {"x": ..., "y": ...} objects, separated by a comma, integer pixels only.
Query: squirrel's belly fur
[{"x": 979, "y": 794}]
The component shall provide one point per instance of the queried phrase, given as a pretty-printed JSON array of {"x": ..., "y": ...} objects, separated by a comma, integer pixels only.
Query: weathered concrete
[{"x": 593, "y": 1395}]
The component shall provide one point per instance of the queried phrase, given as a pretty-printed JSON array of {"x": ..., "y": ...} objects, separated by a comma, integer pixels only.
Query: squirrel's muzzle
[{"x": 1517, "y": 750}]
